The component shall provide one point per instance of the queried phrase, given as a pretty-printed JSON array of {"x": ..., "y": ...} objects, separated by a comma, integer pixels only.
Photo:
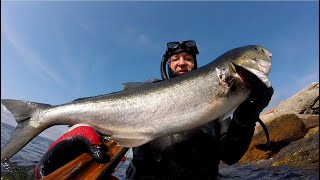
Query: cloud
[
  {"x": 306, "y": 79},
  {"x": 89, "y": 29},
  {"x": 129, "y": 37},
  {"x": 30, "y": 58},
  {"x": 301, "y": 81},
  {"x": 142, "y": 39}
]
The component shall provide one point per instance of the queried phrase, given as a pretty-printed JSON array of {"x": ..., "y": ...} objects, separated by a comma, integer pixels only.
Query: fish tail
[
  {"x": 28, "y": 125},
  {"x": 265, "y": 129}
]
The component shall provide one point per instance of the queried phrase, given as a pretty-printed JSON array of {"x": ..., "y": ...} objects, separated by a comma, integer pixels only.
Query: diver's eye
[{"x": 174, "y": 58}]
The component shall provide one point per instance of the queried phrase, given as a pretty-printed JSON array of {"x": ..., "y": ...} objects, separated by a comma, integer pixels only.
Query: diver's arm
[{"x": 235, "y": 142}]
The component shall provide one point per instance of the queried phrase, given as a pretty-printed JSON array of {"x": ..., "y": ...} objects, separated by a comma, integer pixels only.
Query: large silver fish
[{"x": 135, "y": 116}]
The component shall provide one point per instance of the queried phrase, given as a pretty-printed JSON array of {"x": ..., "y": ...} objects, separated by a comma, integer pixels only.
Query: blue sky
[{"x": 54, "y": 52}]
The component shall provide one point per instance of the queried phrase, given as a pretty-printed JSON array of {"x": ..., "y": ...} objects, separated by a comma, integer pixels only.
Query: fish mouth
[{"x": 252, "y": 76}]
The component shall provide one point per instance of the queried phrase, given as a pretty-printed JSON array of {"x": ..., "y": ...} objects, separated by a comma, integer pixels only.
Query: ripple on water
[{"x": 252, "y": 172}]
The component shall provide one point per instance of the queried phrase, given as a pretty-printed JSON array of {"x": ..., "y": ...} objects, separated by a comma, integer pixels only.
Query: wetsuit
[{"x": 196, "y": 154}]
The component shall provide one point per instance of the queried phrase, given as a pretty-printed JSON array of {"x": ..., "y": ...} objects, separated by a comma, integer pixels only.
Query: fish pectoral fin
[{"x": 129, "y": 141}]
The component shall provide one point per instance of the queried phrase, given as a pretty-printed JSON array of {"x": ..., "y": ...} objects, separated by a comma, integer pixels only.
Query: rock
[
  {"x": 312, "y": 132},
  {"x": 283, "y": 130},
  {"x": 302, "y": 152},
  {"x": 310, "y": 121},
  {"x": 314, "y": 109},
  {"x": 294, "y": 132},
  {"x": 304, "y": 102}
]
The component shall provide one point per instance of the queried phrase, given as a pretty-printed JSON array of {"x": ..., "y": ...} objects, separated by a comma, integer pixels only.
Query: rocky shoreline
[{"x": 294, "y": 132}]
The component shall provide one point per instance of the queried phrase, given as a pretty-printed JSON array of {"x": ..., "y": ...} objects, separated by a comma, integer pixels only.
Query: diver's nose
[{"x": 182, "y": 61}]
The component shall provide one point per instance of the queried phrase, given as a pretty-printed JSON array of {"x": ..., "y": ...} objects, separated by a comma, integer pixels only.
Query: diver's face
[{"x": 181, "y": 63}]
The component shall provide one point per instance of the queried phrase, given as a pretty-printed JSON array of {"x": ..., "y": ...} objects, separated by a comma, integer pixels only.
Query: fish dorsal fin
[
  {"x": 132, "y": 85},
  {"x": 96, "y": 97},
  {"x": 129, "y": 141},
  {"x": 85, "y": 98},
  {"x": 126, "y": 86}
]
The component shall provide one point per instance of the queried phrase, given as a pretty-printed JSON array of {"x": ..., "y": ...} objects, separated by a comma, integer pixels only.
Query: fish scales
[{"x": 135, "y": 116}]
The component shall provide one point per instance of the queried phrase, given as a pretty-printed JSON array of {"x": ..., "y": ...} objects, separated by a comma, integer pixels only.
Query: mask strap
[{"x": 163, "y": 69}]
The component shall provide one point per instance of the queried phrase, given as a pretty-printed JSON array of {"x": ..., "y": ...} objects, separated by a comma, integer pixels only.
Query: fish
[{"x": 142, "y": 112}]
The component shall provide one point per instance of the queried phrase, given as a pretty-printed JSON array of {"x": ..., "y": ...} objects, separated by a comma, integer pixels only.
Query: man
[{"x": 194, "y": 154}]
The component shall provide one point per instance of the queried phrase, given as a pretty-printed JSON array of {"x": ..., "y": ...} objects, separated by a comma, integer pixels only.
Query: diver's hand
[
  {"x": 248, "y": 112},
  {"x": 79, "y": 139}
]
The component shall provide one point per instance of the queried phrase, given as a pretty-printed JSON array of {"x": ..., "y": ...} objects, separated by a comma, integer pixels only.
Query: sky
[{"x": 55, "y": 52}]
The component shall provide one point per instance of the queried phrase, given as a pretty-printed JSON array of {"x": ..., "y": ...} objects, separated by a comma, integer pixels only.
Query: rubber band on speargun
[{"x": 265, "y": 129}]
